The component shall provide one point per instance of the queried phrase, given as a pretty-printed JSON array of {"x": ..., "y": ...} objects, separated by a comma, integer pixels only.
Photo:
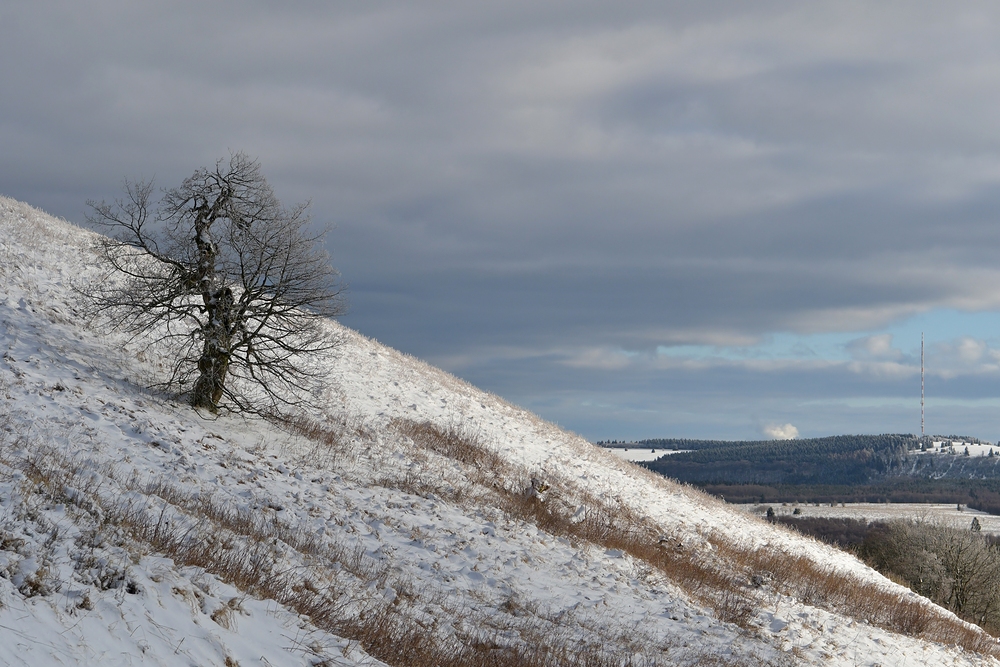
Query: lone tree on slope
[{"x": 233, "y": 284}]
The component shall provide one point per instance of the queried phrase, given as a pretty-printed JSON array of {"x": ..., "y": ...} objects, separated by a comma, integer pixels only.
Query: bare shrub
[{"x": 734, "y": 607}]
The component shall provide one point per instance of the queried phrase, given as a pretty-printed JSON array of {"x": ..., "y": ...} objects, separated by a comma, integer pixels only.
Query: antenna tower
[{"x": 921, "y": 384}]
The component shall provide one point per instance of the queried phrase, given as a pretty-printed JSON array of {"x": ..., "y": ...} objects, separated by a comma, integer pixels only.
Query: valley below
[{"x": 932, "y": 513}]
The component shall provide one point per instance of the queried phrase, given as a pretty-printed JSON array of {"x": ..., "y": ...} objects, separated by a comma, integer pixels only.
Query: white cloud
[
  {"x": 965, "y": 356},
  {"x": 970, "y": 350},
  {"x": 878, "y": 346},
  {"x": 781, "y": 431}
]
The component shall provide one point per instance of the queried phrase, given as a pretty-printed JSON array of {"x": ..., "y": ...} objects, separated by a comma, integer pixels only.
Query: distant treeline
[
  {"x": 982, "y": 494},
  {"x": 844, "y": 533},
  {"x": 677, "y": 444}
]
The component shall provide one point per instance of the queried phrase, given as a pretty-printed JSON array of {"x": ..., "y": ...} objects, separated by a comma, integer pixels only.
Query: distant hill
[
  {"x": 843, "y": 459},
  {"x": 678, "y": 444},
  {"x": 869, "y": 468}
]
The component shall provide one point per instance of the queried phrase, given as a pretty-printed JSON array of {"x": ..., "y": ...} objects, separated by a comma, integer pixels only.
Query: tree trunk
[
  {"x": 213, "y": 365},
  {"x": 214, "y": 362}
]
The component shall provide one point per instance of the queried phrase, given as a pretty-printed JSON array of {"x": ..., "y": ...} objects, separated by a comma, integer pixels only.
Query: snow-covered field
[
  {"x": 943, "y": 514},
  {"x": 641, "y": 453},
  {"x": 959, "y": 447},
  {"x": 397, "y": 527}
]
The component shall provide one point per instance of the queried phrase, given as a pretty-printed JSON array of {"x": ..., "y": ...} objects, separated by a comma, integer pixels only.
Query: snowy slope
[{"x": 399, "y": 524}]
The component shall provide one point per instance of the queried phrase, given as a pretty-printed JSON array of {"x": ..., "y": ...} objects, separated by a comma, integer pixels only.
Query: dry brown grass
[
  {"x": 379, "y": 627},
  {"x": 894, "y": 610},
  {"x": 611, "y": 526},
  {"x": 235, "y": 545}
]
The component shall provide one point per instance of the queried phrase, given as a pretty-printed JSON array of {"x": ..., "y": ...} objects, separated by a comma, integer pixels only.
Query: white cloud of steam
[{"x": 781, "y": 431}]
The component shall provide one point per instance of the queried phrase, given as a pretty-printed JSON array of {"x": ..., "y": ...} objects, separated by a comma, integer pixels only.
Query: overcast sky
[{"x": 638, "y": 219}]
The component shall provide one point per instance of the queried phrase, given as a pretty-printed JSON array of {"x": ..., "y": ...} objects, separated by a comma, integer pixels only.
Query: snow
[
  {"x": 641, "y": 454},
  {"x": 946, "y": 514},
  {"x": 89, "y": 459},
  {"x": 959, "y": 447}
]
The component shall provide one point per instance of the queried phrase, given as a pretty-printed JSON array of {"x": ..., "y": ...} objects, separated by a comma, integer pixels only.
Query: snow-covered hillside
[{"x": 417, "y": 521}]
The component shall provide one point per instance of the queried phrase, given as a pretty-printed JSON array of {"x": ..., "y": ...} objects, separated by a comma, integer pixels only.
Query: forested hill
[
  {"x": 687, "y": 444},
  {"x": 842, "y": 459}
]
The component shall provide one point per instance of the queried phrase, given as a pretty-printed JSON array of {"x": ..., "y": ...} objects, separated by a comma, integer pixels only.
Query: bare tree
[{"x": 233, "y": 284}]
